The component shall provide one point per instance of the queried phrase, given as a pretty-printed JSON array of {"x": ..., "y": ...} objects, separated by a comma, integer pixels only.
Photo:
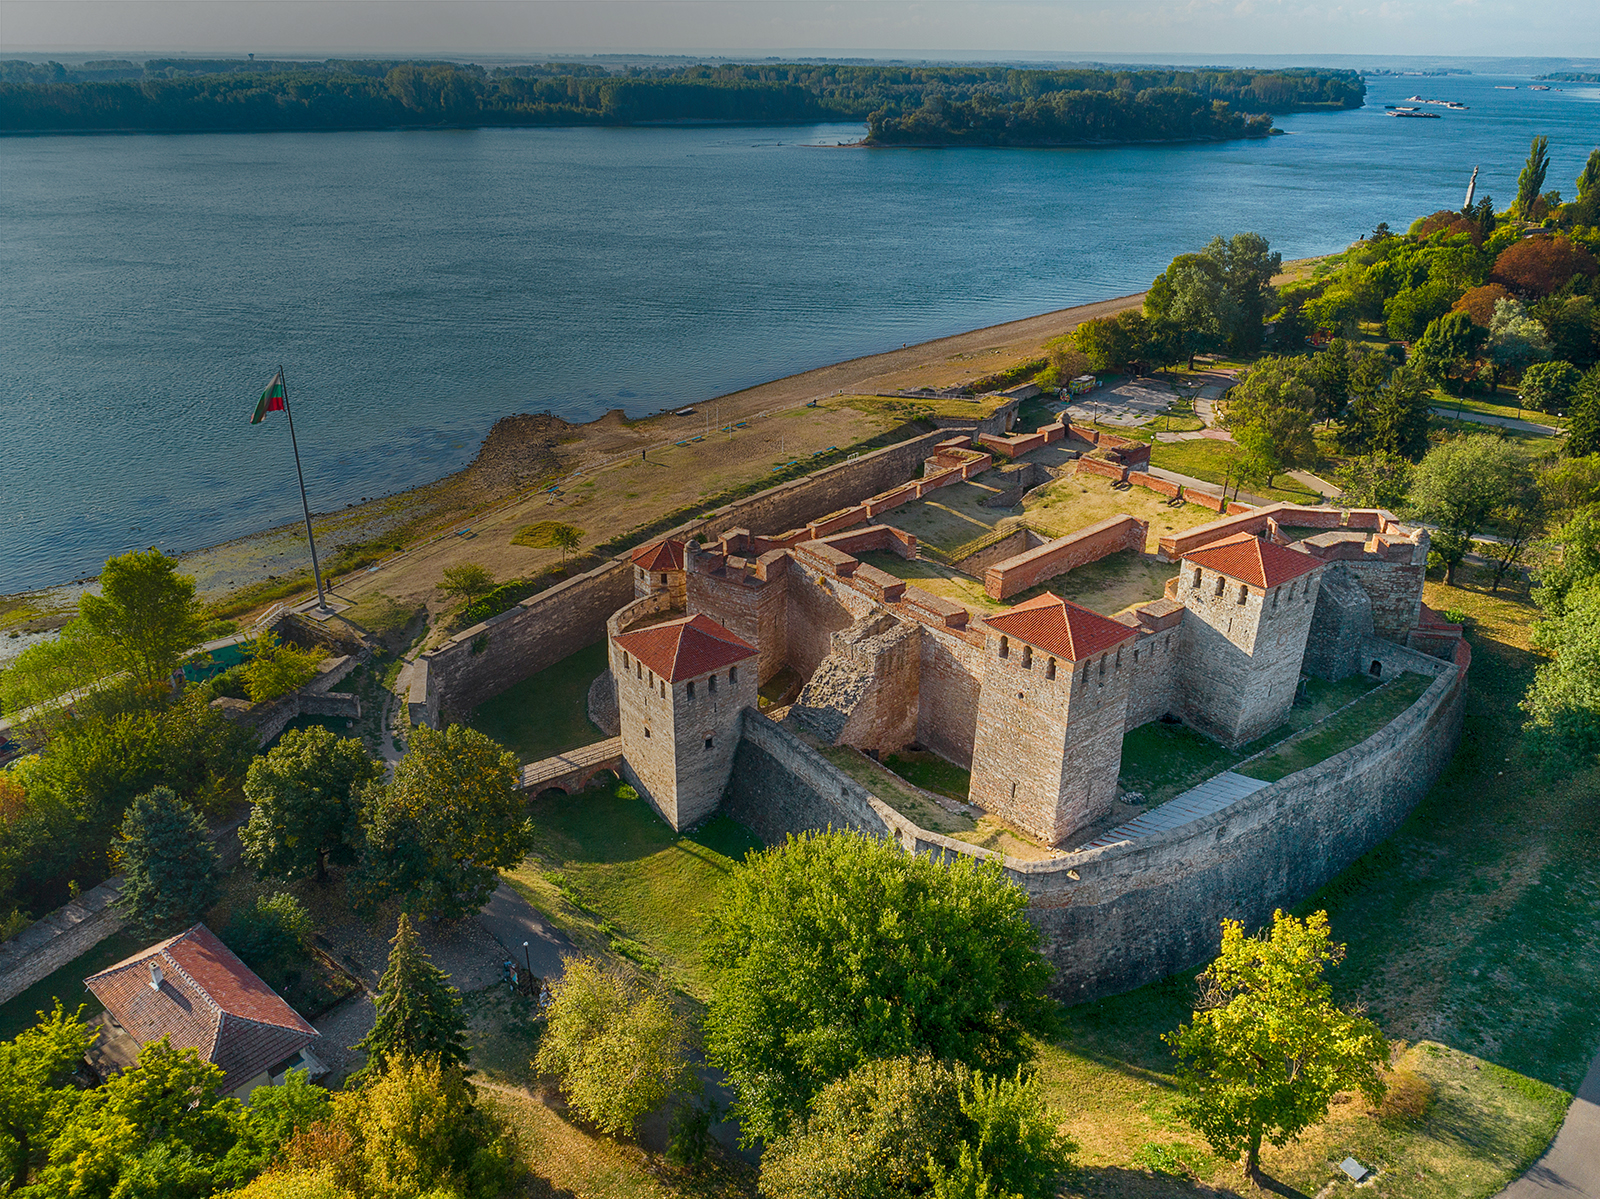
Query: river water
[{"x": 418, "y": 285}]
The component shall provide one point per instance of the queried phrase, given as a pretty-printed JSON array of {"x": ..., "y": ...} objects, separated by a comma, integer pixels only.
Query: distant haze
[{"x": 960, "y": 29}]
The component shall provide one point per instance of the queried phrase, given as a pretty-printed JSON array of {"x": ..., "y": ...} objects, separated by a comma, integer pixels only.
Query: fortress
[{"x": 1035, "y": 699}]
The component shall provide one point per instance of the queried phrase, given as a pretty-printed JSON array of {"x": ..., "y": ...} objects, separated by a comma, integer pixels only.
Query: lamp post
[{"x": 528, "y": 962}]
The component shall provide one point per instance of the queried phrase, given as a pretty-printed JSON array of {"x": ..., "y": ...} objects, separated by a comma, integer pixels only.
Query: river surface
[{"x": 418, "y": 285}]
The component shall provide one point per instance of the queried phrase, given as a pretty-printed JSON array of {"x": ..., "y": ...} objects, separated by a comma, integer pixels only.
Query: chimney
[{"x": 155, "y": 976}]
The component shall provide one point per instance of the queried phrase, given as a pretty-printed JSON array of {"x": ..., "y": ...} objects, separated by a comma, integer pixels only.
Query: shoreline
[{"x": 521, "y": 452}]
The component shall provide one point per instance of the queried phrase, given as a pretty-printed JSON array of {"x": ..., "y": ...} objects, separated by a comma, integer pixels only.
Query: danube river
[{"x": 418, "y": 285}]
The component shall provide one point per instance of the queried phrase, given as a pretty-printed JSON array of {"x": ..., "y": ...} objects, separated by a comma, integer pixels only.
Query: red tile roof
[
  {"x": 1249, "y": 559},
  {"x": 686, "y": 648},
  {"x": 662, "y": 555},
  {"x": 1064, "y": 629},
  {"x": 208, "y": 1000}
]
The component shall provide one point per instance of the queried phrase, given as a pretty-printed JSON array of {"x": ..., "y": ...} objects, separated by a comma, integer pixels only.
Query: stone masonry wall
[
  {"x": 1153, "y": 691},
  {"x": 545, "y": 628},
  {"x": 49, "y": 944},
  {"x": 1019, "y": 541},
  {"x": 1006, "y": 578},
  {"x": 947, "y": 700},
  {"x": 1118, "y": 917}
]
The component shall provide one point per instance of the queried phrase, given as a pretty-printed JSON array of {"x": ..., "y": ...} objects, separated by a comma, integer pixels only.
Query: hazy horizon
[{"x": 958, "y": 30}]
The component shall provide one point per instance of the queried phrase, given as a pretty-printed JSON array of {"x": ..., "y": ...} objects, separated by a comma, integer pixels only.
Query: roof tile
[
  {"x": 686, "y": 648},
  {"x": 1058, "y": 627},
  {"x": 660, "y": 555},
  {"x": 1249, "y": 559}
]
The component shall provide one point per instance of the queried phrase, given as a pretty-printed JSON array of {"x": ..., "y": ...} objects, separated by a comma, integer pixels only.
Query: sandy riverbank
[{"x": 503, "y": 487}]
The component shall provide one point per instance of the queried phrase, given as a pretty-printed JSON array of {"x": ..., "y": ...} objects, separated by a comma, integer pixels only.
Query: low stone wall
[
  {"x": 1012, "y": 575},
  {"x": 316, "y": 698},
  {"x": 1123, "y": 915},
  {"x": 1019, "y": 541},
  {"x": 1206, "y": 500},
  {"x": 1160, "y": 486},
  {"x": 49, "y": 944},
  {"x": 1099, "y": 466}
]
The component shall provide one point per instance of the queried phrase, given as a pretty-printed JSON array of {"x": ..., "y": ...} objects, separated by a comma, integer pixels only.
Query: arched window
[
  {"x": 1027, "y": 657},
  {"x": 1276, "y": 591},
  {"x": 1221, "y": 583},
  {"x": 1375, "y": 669},
  {"x": 689, "y": 691},
  {"x": 663, "y": 688},
  {"x": 1005, "y": 647},
  {"x": 711, "y": 684},
  {"x": 1197, "y": 573},
  {"x": 1244, "y": 594},
  {"x": 1102, "y": 666},
  {"x": 733, "y": 675},
  {"x": 1050, "y": 669}
]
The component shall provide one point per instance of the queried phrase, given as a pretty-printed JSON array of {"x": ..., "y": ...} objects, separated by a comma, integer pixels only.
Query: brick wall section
[
  {"x": 1205, "y": 500},
  {"x": 547, "y": 627},
  {"x": 1010, "y": 576},
  {"x": 1235, "y": 508},
  {"x": 1260, "y": 520},
  {"x": 1160, "y": 486},
  {"x": 1020, "y": 540},
  {"x": 1241, "y": 660},
  {"x": 1097, "y": 466}
]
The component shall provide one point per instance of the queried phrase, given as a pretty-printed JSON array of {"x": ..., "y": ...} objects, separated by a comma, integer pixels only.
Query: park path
[
  {"x": 1502, "y": 422},
  {"x": 1570, "y": 1168}
]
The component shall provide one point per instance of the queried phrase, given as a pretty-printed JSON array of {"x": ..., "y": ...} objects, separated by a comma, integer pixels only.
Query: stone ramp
[{"x": 1210, "y": 796}]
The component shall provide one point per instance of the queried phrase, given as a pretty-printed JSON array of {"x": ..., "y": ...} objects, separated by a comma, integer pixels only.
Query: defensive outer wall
[
  {"x": 1123, "y": 915},
  {"x": 480, "y": 662}
]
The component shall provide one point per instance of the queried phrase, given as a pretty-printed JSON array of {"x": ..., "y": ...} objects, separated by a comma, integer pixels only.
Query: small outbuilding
[{"x": 195, "y": 991}]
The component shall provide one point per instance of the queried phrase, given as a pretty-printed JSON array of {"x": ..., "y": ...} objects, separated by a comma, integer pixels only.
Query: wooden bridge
[{"x": 572, "y": 770}]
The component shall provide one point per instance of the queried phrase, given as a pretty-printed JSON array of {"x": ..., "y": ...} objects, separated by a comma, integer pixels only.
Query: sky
[{"x": 962, "y": 29}]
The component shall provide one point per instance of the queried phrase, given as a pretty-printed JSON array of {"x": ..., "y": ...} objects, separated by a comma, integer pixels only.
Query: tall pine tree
[
  {"x": 419, "y": 1012},
  {"x": 169, "y": 866}
]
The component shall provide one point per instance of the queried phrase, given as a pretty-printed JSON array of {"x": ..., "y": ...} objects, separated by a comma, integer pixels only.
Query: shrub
[
  {"x": 1408, "y": 1099},
  {"x": 276, "y": 668},
  {"x": 614, "y": 1043},
  {"x": 270, "y": 936}
]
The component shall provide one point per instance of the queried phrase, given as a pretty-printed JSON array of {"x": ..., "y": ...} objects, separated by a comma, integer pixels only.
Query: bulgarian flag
[{"x": 273, "y": 399}]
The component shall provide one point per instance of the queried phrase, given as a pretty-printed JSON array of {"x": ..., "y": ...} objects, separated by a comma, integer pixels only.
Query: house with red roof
[{"x": 193, "y": 990}]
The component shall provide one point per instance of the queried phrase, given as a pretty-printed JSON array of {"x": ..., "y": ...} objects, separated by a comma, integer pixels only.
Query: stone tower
[
  {"x": 1248, "y": 606},
  {"x": 660, "y": 566},
  {"x": 681, "y": 685},
  {"x": 1051, "y": 709}
]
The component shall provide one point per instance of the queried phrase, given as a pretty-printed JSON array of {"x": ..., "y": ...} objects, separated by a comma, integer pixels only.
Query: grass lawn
[
  {"x": 1350, "y": 727},
  {"x": 547, "y": 713},
  {"x": 66, "y": 984},
  {"x": 1161, "y": 760},
  {"x": 1212, "y": 461},
  {"x": 613, "y": 874},
  {"x": 1107, "y": 586},
  {"x": 932, "y": 773}
]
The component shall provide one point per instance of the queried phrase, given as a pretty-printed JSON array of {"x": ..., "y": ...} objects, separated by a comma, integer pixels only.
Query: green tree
[
  {"x": 148, "y": 610},
  {"x": 1248, "y": 264},
  {"x": 835, "y": 948},
  {"x": 1408, "y": 313},
  {"x": 36, "y": 1091},
  {"x": 441, "y": 832},
  {"x": 169, "y": 866},
  {"x": 1389, "y": 410},
  {"x": 271, "y": 935},
  {"x": 276, "y": 668},
  {"x": 419, "y": 1012},
  {"x": 1519, "y": 521},
  {"x": 1583, "y": 430},
  {"x": 1515, "y": 340},
  {"x": 566, "y": 538},
  {"x": 1270, "y": 414},
  {"x": 1586, "y": 209},
  {"x": 1377, "y": 481},
  {"x": 1328, "y": 373},
  {"x": 1448, "y": 346},
  {"x": 1549, "y": 386},
  {"x": 1106, "y": 342},
  {"x": 1530, "y": 183},
  {"x": 1268, "y": 1048},
  {"x": 158, "y": 1129},
  {"x": 467, "y": 582},
  {"x": 46, "y": 676},
  {"x": 1190, "y": 301},
  {"x": 1563, "y": 704},
  {"x": 614, "y": 1043},
  {"x": 1459, "y": 486},
  {"x": 914, "y": 1126},
  {"x": 1571, "y": 558},
  {"x": 306, "y": 796},
  {"x": 275, "y": 1114}
]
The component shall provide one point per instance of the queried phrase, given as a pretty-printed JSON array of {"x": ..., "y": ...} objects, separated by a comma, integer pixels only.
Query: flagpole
[{"x": 322, "y": 600}]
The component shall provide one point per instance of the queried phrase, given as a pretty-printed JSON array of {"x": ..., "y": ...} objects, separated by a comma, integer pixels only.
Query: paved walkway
[
  {"x": 1321, "y": 486},
  {"x": 1503, "y": 422},
  {"x": 1210, "y": 796},
  {"x": 1570, "y": 1168},
  {"x": 1189, "y": 483},
  {"x": 511, "y": 920}
]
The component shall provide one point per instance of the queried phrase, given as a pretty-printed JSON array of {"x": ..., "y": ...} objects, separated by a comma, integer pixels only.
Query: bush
[
  {"x": 1408, "y": 1099},
  {"x": 270, "y": 936},
  {"x": 614, "y": 1043},
  {"x": 276, "y": 668}
]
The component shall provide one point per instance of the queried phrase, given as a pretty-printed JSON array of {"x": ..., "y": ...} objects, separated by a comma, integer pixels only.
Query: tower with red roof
[
  {"x": 1249, "y": 605},
  {"x": 1051, "y": 710},
  {"x": 681, "y": 686}
]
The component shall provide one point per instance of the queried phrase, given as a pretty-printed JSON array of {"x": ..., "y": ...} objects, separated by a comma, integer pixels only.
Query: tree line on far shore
[{"x": 228, "y": 96}]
